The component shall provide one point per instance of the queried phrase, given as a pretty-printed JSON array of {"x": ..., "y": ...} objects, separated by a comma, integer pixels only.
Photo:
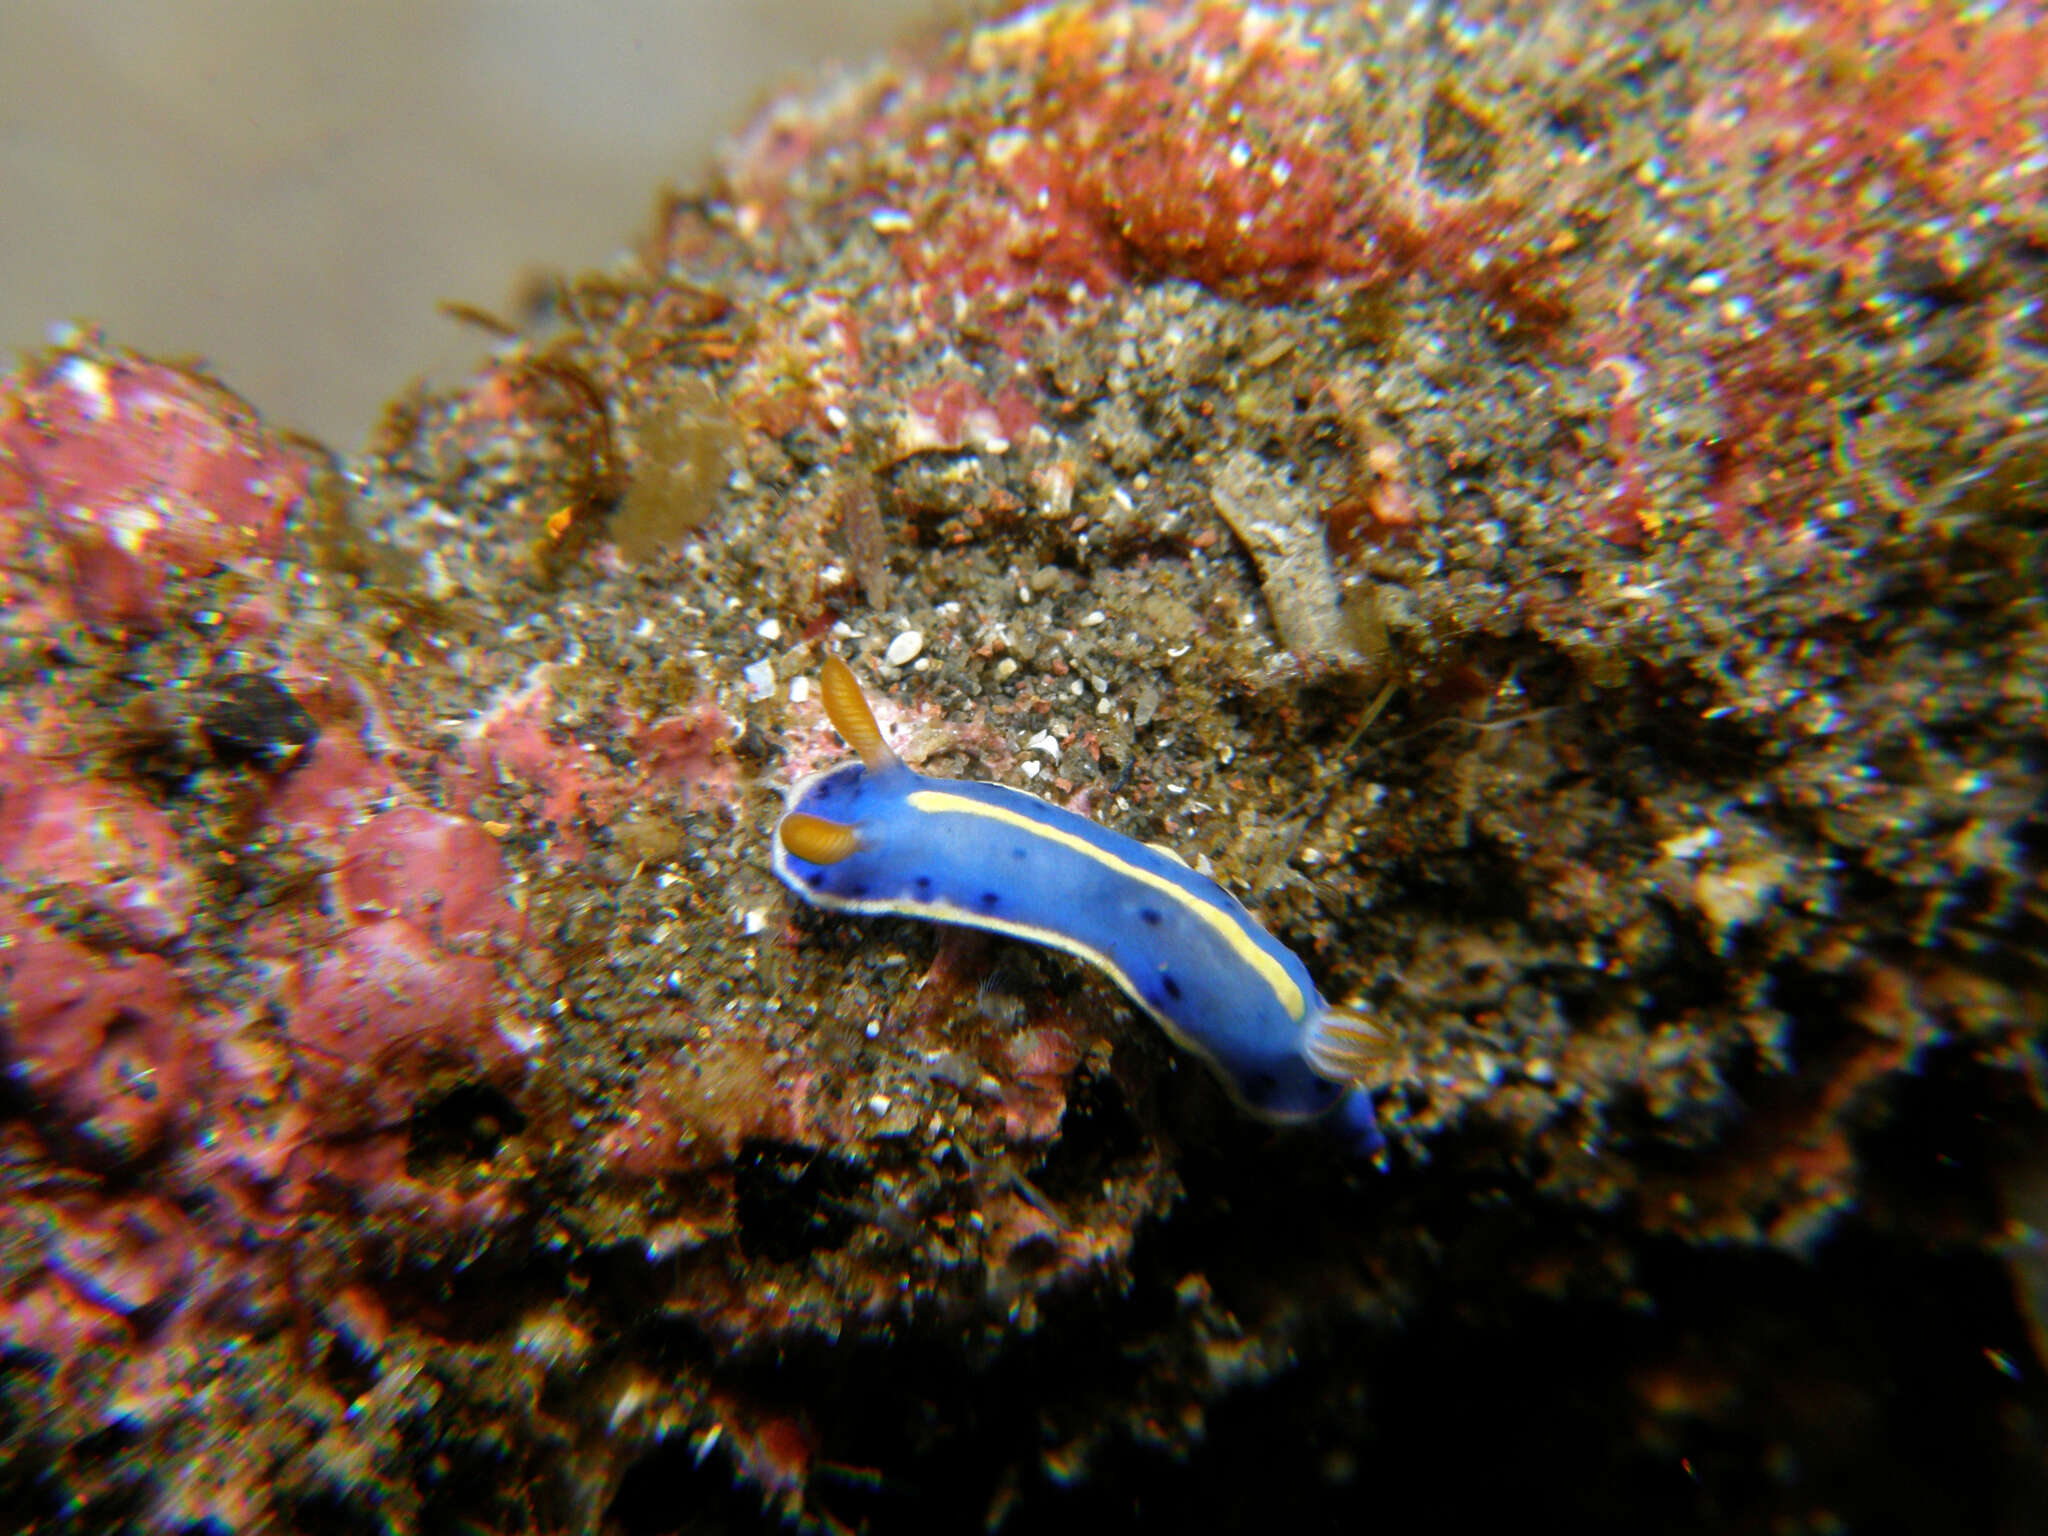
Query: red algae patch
[
  {"x": 1214, "y": 143},
  {"x": 144, "y": 472},
  {"x": 105, "y": 1040},
  {"x": 1238, "y": 146},
  {"x": 96, "y": 845},
  {"x": 442, "y": 874},
  {"x": 381, "y": 1011},
  {"x": 1210, "y": 142}
]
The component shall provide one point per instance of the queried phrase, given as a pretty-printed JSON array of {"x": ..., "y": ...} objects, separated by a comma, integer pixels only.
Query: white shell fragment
[
  {"x": 904, "y": 648},
  {"x": 1281, "y": 529}
]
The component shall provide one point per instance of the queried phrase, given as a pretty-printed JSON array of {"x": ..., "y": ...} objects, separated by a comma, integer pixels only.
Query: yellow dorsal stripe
[
  {"x": 1225, "y": 926},
  {"x": 848, "y": 711}
]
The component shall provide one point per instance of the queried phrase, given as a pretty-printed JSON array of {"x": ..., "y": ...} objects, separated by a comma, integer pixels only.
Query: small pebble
[
  {"x": 1690, "y": 845},
  {"x": 760, "y": 678},
  {"x": 904, "y": 648}
]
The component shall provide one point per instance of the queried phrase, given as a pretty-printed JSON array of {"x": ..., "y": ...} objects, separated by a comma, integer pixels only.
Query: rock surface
[{"x": 1546, "y": 505}]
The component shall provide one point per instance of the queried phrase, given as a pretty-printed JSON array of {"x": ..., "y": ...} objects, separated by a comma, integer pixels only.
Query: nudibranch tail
[
  {"x": 816, "y": 840},
  {"x": 1343, "y": 1046},
  {"x": 1358, "y": 1126},
  {"x": 847, "y": 708}
]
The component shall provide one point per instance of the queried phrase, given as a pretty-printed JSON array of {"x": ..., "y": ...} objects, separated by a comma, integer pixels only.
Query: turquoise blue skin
[{"x": 1175, "y": 941}]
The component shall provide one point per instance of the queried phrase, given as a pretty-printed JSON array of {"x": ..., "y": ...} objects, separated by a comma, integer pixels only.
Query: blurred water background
[{"x": 288, "y": 189}]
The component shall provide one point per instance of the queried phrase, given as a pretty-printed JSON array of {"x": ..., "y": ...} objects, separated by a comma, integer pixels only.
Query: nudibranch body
[{"x": 876, "y": 837}]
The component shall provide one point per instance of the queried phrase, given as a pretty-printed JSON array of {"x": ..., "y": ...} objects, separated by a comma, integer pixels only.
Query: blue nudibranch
[{"x": 874, "y": 836}]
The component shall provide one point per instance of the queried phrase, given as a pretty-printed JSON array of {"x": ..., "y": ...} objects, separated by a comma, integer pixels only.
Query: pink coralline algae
[
  {"x": 338, "y": 784},
  {"x": 442, "y": 874},
  {"x": 377, "y": 1009},
  {"x": 94, "y": 845},
  {"x": 408, "y": 991},
  {"x": 101, "y": 1038},
  {"x": 137, "y": 473},
  {"x": 189, "y": 1089},
  {"x": 93, "y": 1023},
  {"x": 514, "y": 746},
  {"x": 107, "y": 1263}
]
